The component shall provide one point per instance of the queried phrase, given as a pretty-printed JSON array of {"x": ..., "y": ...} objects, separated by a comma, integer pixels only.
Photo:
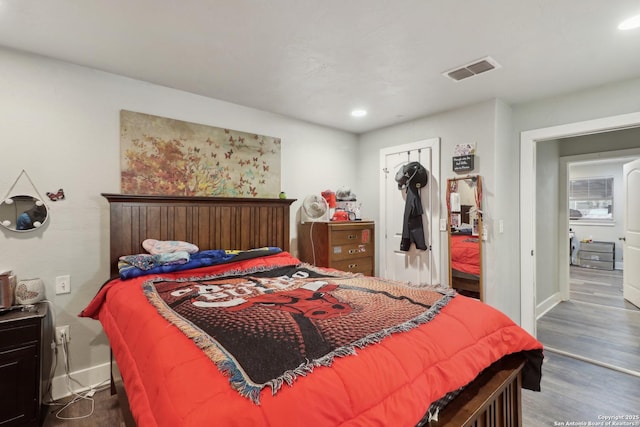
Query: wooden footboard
[
  {"x": 466, "y": 282},
  {"x": 493, "y": 399}
]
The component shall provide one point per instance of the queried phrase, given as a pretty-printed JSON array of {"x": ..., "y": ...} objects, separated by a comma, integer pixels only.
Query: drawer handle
[
  {"x": 353, "y": 265},
  {"x": 352, "y": 236},
  {"x": 354, "y": 251}
]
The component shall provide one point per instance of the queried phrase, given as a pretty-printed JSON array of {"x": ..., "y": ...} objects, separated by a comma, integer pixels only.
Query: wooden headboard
[{"x": 208, "y": 222}]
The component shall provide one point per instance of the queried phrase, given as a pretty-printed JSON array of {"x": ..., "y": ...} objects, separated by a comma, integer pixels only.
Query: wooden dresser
[{"x": 343, "y": 245}]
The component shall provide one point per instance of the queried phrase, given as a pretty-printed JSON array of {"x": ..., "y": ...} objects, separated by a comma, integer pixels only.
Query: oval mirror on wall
[{"x": 23, "y": 213}]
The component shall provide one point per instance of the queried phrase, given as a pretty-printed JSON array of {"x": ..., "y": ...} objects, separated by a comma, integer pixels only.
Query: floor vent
[{"x": 473, "y": 69}]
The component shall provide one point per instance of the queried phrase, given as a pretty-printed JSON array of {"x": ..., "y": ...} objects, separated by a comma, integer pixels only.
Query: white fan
[{"x": 314, "y": 208}]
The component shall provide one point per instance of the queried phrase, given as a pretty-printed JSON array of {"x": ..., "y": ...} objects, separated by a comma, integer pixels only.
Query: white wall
[
  {"x": 502, "y": 268},
  {"x": 547, "y": 213},
  {"x": 600, "y": 143},
  {"x": 603, "y": 101},
  {"x": 60, "y": 123}
]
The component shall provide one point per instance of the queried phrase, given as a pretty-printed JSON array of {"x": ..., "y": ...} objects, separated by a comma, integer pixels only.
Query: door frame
[
  {"x": 528, "y": 141},
  {"x": 434, "y": 188}
]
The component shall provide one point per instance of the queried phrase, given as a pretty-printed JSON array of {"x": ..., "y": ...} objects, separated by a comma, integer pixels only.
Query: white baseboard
[
  {"x": 548, "y": 304},
  {"x": 90, "y": 377}
]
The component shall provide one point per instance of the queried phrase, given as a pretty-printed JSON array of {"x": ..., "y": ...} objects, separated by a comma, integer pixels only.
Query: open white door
[
  {"x": 631, "y": 244},
  {"x": 415, "y": 266}
]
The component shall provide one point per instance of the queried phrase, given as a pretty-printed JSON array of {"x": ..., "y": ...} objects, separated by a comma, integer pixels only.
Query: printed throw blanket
[{"x": 269, "y": 326}]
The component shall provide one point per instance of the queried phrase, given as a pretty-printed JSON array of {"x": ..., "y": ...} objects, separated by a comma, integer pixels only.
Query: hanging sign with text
[{"x": 463, "y": 163}]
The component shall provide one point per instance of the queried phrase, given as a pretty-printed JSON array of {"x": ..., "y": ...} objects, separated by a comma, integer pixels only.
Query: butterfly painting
[
  {"x": 54, "y": 197},
  {"x": 171, "y": 157}
]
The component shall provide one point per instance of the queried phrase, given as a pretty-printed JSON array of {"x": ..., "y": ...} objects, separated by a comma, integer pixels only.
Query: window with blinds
[{"x": 591, "y": 198}]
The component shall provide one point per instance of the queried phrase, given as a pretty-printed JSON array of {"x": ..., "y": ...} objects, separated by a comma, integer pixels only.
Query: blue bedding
[{"x": 197, "y": 260}]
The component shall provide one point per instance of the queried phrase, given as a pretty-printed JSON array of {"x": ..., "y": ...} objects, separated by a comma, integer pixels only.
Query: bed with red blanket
[
  {"x": 465, "y": 254},
  {"x": 265, "y": 340}
]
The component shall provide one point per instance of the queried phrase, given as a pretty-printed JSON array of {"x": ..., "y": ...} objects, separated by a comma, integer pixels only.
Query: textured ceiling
[{"x": 318, "y": 60}]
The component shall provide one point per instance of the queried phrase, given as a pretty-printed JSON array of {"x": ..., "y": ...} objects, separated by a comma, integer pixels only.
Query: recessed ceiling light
[
  {"x": 631, "y": 23},
  {"x": 359, "y": 113}
]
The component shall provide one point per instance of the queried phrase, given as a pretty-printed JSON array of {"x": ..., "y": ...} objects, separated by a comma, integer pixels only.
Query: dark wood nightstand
[{"x": 25, "y": 363}]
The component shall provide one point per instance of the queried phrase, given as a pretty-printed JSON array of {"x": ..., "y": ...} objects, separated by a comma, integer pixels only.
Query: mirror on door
[{"x": 464, "y": 207}]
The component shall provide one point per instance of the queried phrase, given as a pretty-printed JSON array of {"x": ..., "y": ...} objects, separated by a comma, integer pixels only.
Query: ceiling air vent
[{"x": 473, "y": 69}]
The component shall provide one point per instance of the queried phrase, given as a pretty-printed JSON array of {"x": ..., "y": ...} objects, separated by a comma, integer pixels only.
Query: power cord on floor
[{"x": 86, "y": 395}]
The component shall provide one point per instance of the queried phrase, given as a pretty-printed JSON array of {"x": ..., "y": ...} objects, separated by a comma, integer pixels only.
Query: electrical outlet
[
  {"x": 63, "y": 284},
  {"x": 60, "y": 331}
]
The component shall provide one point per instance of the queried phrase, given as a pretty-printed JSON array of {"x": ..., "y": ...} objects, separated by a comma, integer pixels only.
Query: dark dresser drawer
[
  {"x": 350, "y": 236},
  {"x": 357, "y": 265},
  {"x": 352, "y": 251},
  {"x": 19, "y": 333}
]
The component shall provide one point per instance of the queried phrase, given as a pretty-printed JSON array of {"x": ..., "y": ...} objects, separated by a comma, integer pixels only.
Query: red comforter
[
  {"x": 170, "y": 382},
  {"x": 465, "y": 253}
]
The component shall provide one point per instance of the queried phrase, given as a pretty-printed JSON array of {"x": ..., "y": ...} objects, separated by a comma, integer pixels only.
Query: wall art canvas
[{"x": 162, "y": 156}]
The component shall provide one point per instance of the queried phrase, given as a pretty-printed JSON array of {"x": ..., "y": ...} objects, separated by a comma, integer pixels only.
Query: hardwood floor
[
  {"x": 598, "y": 287},
  {"x": 592, "y": 354},
  {"x": 605, "y": 334},
  {"x": 595, "y": 324},
  {"x": 573, "y": 390}
]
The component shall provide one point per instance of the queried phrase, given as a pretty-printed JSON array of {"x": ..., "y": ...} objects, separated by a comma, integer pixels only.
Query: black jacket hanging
[
  {"x": 412, "y": 231},
  {"x": 413, "y": 176}
]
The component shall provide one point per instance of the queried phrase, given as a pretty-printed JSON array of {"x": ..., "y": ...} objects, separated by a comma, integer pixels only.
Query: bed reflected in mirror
[{"x": 464, "y": 206}]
